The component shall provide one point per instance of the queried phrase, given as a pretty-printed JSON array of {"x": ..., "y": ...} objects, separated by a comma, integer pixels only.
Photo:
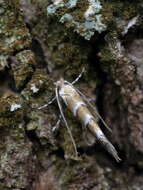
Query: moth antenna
[
  {"x": 96, "y": 112},
  {"x": 45, "y": 105},
  {"x": 109, "y": 147},
  {"x": 79, "y": 76},
  {"x": 65, "y": 121}
]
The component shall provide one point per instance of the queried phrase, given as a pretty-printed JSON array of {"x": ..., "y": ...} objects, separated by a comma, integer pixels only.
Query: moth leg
[
  {"x": 56, "y": 126},
  {"x": 79, "y": 76},
  {"x": 65, "y": 121},
  {"x": 46, "y": 105}
]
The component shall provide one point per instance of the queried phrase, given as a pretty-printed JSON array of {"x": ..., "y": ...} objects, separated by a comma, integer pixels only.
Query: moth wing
[{"x": 95, "y": 112}]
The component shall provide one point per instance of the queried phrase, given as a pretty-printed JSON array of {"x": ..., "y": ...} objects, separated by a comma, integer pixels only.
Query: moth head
[{"x": 59, "y": 83}]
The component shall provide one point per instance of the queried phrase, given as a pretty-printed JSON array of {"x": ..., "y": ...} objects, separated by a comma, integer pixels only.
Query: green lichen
[
  {"x": 38, "y": 92},
  {"x": 16, "y": 155},
  {"x": 70, "y": 53},
  {"x": 11, "y": 111},
  {"x": 82, "y": 174},
  {"x": 61, "y": 47},
  {"x": 3, "y": 62},
  {"x": 14, "y": 35},
  {"x": 23, "y": 67},
  {"x": 107, "y": 58},
  {"x": 39, "y": 89},
  {"x": 116, "y": 14},
  {"x": 43, "y": 125},
  {"x": 83, "y": 18}
]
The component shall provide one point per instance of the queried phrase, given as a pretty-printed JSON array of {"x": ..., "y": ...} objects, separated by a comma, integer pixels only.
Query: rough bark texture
[{"x": 42, "y": 40}]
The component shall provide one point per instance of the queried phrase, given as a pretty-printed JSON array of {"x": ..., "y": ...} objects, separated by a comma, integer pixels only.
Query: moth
[{"x": 78, "y": 104}]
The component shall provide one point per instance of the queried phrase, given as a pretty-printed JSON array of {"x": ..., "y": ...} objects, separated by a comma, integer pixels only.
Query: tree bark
[{"x": 42, "y": 41}]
